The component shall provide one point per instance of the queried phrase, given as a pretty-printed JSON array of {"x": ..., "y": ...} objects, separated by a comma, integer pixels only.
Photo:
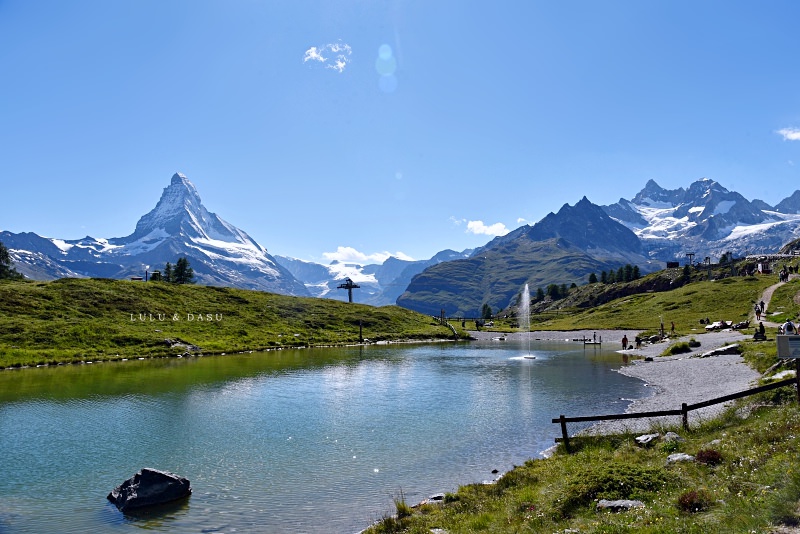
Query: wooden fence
[{"x": 683, "y": 412}]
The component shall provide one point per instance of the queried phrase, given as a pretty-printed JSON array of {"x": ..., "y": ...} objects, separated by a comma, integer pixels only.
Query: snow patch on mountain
[
  {"x": 741, "y": 232},
  {"x": 661, "y": 223},
  {"x": 61, "y": 244},
  {"x": 340, "y": 271}
]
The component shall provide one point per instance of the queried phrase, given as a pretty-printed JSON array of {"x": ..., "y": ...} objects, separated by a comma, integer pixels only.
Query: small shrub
[
  {"x": 610, "y": 482},
  {"x": 670, "y": 446},
  {"x": 694, "y": 501},
  {"x": 403, "y": 508},
  {"x": 693, "y": 343},
  {"x": 708, "y": 457},
  {"x": 677, "y": 348}
]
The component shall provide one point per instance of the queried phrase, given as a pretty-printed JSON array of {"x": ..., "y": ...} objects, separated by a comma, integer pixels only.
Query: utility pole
[{"x": 349, "y": 285}]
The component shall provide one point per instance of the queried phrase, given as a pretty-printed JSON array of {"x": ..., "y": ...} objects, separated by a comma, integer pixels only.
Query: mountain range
[
  {"x": 655, "y": 226},
  {"x": 706, "y": 219},
  {"x": 179, "y": 225}
]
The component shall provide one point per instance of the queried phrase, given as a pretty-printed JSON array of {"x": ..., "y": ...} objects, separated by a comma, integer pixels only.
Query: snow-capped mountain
[
  {"x": 179, "y": 225},
  {"x": 706, "y": 219},
  {"x": 379, "y": 284}
]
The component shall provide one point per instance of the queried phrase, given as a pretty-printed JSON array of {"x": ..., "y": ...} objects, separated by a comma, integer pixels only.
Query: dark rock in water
[{"x": 149, "y": 487}]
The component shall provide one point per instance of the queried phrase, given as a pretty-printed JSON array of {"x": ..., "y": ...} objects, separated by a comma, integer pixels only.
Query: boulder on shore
[{"x": 149, "y": 487}]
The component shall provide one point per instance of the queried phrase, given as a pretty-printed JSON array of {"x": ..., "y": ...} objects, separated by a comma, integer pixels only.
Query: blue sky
[{"x": 360, "y": 128}]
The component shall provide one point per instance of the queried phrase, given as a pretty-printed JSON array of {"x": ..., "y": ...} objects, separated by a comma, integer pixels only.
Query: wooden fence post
[
  {"x": 797, "y": 376},
  {"x": 564, "y": 433},
  {"x": 685, "y": 415}
]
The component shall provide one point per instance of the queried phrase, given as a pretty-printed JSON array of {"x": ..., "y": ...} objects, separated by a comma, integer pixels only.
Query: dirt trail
[{"x": 767, "y": 296}]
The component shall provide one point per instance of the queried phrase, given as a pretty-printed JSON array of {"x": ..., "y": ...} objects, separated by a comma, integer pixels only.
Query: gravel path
[
  {"x": 684, "y": 378},
  {"x": 672, "y": 379}
]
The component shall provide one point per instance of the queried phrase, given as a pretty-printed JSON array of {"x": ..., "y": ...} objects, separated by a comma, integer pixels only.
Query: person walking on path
[
  {"x": 757, "y": 310},
  {"x": 764, "y": 304},
  {"x": 788, "y": 328}
]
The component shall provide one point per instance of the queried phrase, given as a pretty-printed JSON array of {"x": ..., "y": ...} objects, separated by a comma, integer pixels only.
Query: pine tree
[
  {"x": 539, "y": 294},
  {"x": 486, "y": 312},
  {"x": 628, "y": 272},
  {"x": 183, "y": 274},
  {"x": 553, "y": 291},
  {"x": 6, "y": 270},
  {"x": 592, "y": 278},
  {"x": 635, "y": 275},
  {"x": 168, "y": 272}
]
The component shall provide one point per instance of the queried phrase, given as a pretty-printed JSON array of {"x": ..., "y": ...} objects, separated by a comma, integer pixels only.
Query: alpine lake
[{"x": 313, "y": 440}]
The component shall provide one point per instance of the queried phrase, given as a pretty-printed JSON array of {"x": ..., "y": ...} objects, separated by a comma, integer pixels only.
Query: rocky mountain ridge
[{"x": 706, "y": 219}]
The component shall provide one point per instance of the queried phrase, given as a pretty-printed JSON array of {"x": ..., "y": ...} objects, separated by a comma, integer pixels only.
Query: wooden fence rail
[{"x": 683, "y": 412}]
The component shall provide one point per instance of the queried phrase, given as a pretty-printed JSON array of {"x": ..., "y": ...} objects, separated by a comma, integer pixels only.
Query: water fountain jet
[{"x": 524, "y": 316}]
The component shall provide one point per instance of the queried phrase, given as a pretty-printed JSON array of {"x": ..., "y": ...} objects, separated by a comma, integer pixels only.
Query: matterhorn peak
[{"x": 180, "y": 212}]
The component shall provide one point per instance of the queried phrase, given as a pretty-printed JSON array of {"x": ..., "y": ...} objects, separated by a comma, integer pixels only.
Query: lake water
[{"x": 317, "y": 440}]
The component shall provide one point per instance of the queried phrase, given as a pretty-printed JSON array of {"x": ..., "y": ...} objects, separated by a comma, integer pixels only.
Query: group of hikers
[{"x": 783, "y": 274}]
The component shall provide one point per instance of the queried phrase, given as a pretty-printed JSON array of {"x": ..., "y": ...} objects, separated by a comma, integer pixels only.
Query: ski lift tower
[
  {"x": 349, "y": 285},
  {"x": 690, "y": 255}
]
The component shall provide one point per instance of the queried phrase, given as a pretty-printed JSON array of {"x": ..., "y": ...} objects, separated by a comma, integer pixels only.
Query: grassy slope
[
  {"x": 72, "y": 319},
  {"x": 730, "y": 299}
]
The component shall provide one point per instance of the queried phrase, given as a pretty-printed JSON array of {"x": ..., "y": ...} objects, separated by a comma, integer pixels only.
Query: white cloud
[
  {"x": 479, "y": 228},
  {"x": 338, "y": 60},
  {"x": 790, "y": 134},
  {"x": 339, "y": 65},
  {"x": 351, "y": 255},
  {"x": 312, "y": 54}
]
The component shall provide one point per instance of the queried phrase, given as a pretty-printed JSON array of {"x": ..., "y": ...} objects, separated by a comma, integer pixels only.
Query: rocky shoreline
[
  {"x": 672, "y": 379},
  {"x": 687, "y": 378}
]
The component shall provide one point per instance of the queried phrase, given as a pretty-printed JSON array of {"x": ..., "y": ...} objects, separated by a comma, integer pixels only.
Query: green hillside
[
  {"x": 496, "y": 277},
  {"x": 80, "y": 319},
  {"x": 729, "y": 299}
]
